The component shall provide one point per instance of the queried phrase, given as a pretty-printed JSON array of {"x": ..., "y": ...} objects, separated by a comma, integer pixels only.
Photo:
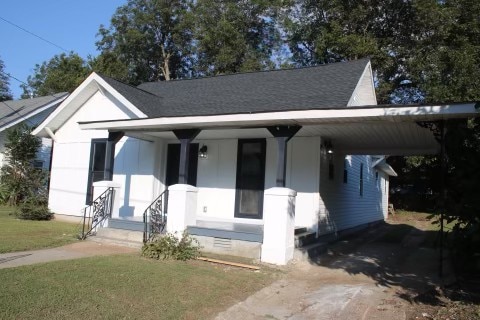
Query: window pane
[{"x": 99, "y": 152}]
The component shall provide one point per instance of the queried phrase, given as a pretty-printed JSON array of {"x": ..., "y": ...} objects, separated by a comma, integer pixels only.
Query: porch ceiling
[
  {"x": 386, "y": 138},
  {"x": 391, "y": 130}
]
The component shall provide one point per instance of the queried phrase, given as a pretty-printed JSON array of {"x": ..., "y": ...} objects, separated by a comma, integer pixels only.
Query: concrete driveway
[{"x": 382, "y": 274}]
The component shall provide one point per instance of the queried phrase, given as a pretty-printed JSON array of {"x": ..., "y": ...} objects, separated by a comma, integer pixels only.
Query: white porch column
[
  {"x": 279, "y": 225},
  {"x": 182, "y": 207}
]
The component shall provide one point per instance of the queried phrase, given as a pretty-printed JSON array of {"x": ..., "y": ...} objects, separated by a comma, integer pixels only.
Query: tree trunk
[{"x": 166, "y": 69}]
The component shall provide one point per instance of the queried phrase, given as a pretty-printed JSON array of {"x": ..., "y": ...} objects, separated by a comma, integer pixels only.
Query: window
[
  {"x": 38, "y": 164},
  {"x": 376, "y": 176},
  {"x": 345, "y": 171},
  {"x": 361, "y": 179},
  {"x": 96, "y": 172}
]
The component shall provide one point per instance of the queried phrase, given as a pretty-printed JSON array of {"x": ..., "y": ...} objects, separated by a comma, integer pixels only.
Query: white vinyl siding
[
  {"x": 342, "y": 205},
  {"x": 134, "y": 166}
]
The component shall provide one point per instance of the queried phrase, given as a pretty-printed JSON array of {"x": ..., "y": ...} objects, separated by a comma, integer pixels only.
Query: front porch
[{"x": 312, "y": 165}]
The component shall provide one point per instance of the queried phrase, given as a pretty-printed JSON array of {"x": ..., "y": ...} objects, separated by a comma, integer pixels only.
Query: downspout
[
  {"x": 50, "y": 134},
  {"x": 54, "y": 139}
]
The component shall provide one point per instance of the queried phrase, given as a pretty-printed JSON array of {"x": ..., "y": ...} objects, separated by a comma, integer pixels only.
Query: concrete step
[
  {"x": 300, "y": 230},
  {"x": 305, "y": 238},
  {"x": 127, "y": 238},
  {"x": 124, "y": 224},
  {"x": 310, "y": 253}
]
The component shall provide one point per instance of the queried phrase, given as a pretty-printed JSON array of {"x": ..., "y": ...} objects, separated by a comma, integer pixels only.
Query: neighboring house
[
  {"x": 31, "y": 112},
  {"x": 255, "y": 163}
]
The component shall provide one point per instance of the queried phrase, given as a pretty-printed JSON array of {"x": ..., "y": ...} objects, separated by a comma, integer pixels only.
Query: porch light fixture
[
  {"x": 203, "y": 152},
  {"x": 327, "y": 147}
]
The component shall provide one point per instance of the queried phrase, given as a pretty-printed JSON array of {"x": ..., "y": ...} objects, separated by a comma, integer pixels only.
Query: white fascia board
[
  {"x": 386, "y": 168},
  {"x": 92, "y": 80},
  {"x": 34, "y": 112},
  {"x": 304, "y": 117},
  {"x": 39, "y": 131}
]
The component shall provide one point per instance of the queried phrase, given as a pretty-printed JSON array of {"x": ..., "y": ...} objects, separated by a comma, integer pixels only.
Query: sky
[{"x": 70, "y": 24}]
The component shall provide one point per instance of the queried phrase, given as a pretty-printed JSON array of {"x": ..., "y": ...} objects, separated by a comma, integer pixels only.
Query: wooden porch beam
[
  {"x": 282, "y": 134},
  {"x": 185, "y": 136}
]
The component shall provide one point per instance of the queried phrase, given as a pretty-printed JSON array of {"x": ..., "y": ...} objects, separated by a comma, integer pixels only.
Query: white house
[
  {"x": 31, "y": 112},
  {"x": 255, "y": 163}
]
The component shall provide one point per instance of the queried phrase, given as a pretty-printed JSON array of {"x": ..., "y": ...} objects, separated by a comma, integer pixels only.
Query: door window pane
[{"x": 250, "y": 178}]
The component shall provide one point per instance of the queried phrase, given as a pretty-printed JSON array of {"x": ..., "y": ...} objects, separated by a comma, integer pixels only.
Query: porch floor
[{"x": 227, "y": 230}]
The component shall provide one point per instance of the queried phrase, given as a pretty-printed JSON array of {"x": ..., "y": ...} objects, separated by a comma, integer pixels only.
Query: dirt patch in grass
[
  {"x": 124, "y": 287},
  {"x": 22, "y": 235}
]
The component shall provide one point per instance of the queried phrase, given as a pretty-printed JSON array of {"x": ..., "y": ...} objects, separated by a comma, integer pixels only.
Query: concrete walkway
[{"x": 76, "y": 250}]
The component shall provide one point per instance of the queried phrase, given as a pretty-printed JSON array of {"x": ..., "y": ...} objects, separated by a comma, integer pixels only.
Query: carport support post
[
  {"x": 182, "y": 198},
  {"x": 113, "y": 138},
  {"x": 443, "y": 194},
  {"x": 279, "y": 206}
]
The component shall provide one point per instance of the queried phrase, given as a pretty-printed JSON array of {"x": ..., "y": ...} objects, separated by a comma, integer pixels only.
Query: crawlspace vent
[{"x": 223, "y": 243}]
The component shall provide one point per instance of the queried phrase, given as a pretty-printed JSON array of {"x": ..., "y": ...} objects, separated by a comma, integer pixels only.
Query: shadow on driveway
[{"x": 393, "y": 255}]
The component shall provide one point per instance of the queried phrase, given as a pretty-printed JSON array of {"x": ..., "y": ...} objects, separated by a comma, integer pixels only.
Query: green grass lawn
[
  {"x": 403, "y": 221},
  {"x": 20, "y": 235},
  {"x": 124, "y": 287}
]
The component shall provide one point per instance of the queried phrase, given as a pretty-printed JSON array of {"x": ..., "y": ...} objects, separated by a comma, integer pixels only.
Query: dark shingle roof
[
  {"x": 141, "y": 99},
  {"x": 320, "y": 87},
  {"x": 14, "y": 110}
]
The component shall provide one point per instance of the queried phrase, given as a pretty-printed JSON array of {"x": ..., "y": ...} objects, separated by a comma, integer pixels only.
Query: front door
[
  {"x": 173, "y": 164},
  {"x": 250, "y": 178}
]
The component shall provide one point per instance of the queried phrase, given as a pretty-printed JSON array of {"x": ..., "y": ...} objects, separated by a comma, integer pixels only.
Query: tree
[
  {"x": 445, "y": 55},
  {"x": 108, "y": 64},
  {"x": 325, "y": 31},
  {"x": 19, "y": 179},
  {"x": 5, "y": 93},
  {"x": 151, "y": 37},
  {"x": 235, "y": 36},
  {"x": 62, "y": 73}
]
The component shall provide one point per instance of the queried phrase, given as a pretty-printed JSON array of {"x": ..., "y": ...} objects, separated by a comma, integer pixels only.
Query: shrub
[
  {"x": 34, "y": 208},
  {"x": 170, "y": 246}
]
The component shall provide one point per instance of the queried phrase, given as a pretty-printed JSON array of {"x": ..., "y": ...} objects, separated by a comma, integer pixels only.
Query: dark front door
[
  {"x": 173, "y": 164},
  {"x": 250, "y": 178}
]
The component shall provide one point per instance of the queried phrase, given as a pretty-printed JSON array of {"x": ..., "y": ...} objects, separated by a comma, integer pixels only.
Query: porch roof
[{"x": 384, "y": 129}]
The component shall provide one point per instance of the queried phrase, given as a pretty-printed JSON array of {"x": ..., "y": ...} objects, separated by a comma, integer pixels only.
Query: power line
[
  {"x": 35, "y": 35},
  {"x": 14, "y": 78},
  {"x": 17, "y": 112}
]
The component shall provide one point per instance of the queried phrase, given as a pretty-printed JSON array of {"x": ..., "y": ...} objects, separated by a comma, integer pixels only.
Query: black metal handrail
[
  {"x": 155, "y": 217},
  {"x": 97, "y": 212}
]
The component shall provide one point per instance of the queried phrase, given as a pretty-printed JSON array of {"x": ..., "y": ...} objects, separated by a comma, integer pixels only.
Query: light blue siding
[{"x": 342, "y": 205}]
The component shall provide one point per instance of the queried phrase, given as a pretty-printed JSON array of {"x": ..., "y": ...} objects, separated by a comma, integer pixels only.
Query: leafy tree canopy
[
  {"x": 62, "y": 73},
  {"x": 5, "y": 93},
  {"x": 235, "y": 36},
  {"x": 152, "y": 37}
]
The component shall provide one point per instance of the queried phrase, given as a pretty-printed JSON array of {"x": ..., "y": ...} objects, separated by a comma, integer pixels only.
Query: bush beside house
[{"x": 21, "y": 184}]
